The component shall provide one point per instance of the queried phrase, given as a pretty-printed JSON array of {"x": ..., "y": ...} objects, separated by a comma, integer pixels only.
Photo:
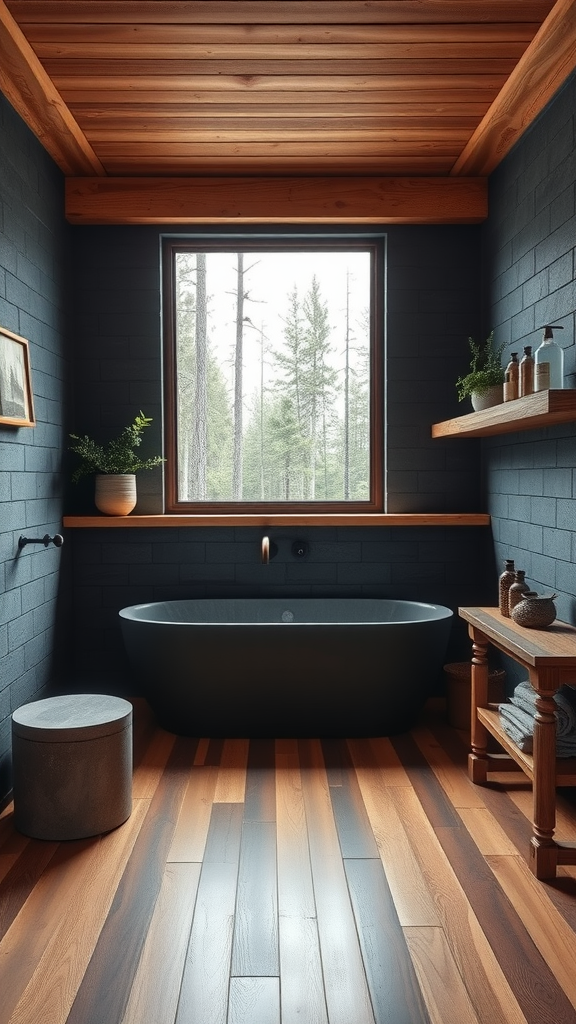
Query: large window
[{"x": 273, "y": 370}]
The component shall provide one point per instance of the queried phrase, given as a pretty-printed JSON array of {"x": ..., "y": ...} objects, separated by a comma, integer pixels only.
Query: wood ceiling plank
[
  {"x": 373, "y": 114},
  {"x": 26, "y": 85},
  {"x": 368, "y": 53},
  {"x": 160, "y": 123},
  {"x": 156, "y": 103},
  {"x": 416, "y": 87},
  {"x": 546, "y": 64},
  {"x": 281, "y": 137},
  {"x": 273, "y": 67},
  {"x": 273, "y": 35},
  {"x": 279, "y": 166},
  {"x": 297, "y": 148},
  {"x": 287, "y": 200},
  {"x": 295, "y": 11}
]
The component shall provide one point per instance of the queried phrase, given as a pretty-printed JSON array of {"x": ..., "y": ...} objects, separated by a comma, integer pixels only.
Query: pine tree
[
  {"x": 319, "y": 378},
  {"x": 185, "y": 314},
  {"x": 199, "y": 429}
]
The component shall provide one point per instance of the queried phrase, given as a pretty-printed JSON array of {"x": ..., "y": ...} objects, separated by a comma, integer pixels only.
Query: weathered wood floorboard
[{"x": 330, "y": 881}]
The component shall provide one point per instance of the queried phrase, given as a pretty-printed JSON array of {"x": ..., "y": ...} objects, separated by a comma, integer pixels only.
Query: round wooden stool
[{"x": 72, "y": 765}]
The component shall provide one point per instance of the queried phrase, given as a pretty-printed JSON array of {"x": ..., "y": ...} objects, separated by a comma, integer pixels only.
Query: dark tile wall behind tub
[
  {"x": 433, "y": 305},
  {"x": 529, "y": 240},
  {"x": 33, "y": 274},
  {"x": 434, "y": 301},
  {"x": 434, "y": 295},
  {"x": 116, "y": 568}
]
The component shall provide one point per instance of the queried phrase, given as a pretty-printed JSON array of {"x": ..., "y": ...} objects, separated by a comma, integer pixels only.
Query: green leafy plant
[
  {"x": 117, "y": 456},
  {"x": 486, "y": 370}
]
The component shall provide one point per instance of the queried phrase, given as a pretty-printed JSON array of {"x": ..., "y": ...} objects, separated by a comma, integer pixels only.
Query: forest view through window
[{"x": 272, "y": 375}]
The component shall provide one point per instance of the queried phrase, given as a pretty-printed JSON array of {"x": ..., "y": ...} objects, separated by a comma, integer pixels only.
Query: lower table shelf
[{"x": 565, "y": 766}]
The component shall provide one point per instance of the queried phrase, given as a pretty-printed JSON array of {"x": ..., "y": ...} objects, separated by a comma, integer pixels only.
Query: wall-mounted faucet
[
  {"x": 57, "y": 540},
  {"x": 300, "y": 548}
]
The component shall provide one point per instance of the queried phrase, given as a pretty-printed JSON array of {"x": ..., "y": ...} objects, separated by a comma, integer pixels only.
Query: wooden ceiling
[{"x": 286, "y": 107}]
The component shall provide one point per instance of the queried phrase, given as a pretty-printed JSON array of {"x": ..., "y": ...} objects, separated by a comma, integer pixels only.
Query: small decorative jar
[
  {"x": 517, "y": 590},
  {"x": 535, "y": 611},
  {"x": 504, "y": 583}
]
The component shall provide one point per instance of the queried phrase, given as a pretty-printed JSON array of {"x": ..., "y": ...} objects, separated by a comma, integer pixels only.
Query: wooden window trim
[{"x": 376, "y": 245}]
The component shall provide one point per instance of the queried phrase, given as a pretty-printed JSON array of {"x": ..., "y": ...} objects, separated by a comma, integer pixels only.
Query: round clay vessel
[
  {"x": 535, "y": 611},
  {"x": 115, "y": 494}
]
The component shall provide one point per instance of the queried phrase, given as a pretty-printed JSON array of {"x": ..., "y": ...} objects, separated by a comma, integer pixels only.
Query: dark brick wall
[
  {"x": 33, "y": 277},
  {"x": 116, "y": 568},
  {"x": 528, "y": 243},
  {"x": 434, "y": 302}
]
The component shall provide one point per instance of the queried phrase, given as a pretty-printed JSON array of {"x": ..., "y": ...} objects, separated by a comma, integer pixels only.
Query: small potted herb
[
  {"x": 485, "y": 380},
  {"x": 114, "y": 465}
]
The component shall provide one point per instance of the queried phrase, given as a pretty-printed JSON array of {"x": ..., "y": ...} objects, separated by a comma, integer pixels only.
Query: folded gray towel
[
  {"x": 518, "y": 725},
  {"x": 524, "y": 697},
  {"x": 517, "y": 718}
]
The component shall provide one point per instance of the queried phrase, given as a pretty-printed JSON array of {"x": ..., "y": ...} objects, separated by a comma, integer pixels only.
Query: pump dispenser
[
  {"x": 549, "y": 362},
  {"x": 512, "y": 379},
  {"x": 527, "y": 372}
]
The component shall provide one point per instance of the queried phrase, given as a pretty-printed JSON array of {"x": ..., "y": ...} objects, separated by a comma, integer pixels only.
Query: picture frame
[{"x": 16, "y": 397}]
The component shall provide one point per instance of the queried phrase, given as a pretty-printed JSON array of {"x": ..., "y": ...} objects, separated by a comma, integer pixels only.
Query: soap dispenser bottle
[
  {"x": 549, "y": 362},
  {"x": 527, "y": 372},
  {"x": 512, "y": 379}
]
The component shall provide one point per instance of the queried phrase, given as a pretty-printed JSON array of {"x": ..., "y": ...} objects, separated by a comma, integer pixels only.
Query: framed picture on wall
[{"x": 16, "y": 399}]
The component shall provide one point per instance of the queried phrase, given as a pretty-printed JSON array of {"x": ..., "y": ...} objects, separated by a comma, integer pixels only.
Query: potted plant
[
  {"x": 485, "y": 380},
  {"x": 114, "y": 465}
]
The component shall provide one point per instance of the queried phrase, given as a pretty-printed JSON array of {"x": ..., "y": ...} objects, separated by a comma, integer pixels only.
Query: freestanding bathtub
[{"x": 286, "y": 666}]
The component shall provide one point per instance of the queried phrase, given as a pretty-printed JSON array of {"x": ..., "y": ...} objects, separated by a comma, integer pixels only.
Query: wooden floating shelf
[
  {"x": 276, "y": 520},
  {"x": 543, "y": 409}
]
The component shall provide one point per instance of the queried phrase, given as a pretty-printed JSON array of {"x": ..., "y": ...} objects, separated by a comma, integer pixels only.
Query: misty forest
[{"x": 272, "y": 405}]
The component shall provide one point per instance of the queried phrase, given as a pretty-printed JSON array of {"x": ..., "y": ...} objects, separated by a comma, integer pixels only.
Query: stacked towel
[{"x": 517, "y": 718}]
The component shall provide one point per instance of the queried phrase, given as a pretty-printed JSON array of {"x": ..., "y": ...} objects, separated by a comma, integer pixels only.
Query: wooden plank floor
[{"x": 304, "y": 881}]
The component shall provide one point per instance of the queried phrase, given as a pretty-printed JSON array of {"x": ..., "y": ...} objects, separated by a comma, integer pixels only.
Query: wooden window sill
[{"x": 278, "y": 519}]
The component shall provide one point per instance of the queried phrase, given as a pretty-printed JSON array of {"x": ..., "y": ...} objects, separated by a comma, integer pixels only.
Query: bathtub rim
[{"x": 129, "y": 613}]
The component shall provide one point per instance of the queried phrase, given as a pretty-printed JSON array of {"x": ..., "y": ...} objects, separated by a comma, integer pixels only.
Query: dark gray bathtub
[{"x": 286, "y": 666}]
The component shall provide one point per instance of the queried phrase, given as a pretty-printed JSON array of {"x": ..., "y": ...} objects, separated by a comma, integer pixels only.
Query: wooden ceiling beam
[
  {"x": 544, "y": 67},
  {"x": 28, "y": 88},
  {"x": 322, "y": 200}
]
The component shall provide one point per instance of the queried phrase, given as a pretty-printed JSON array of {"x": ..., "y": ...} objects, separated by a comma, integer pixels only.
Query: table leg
[
  {"x": 543, "y": 850},
  {"x": 478, "y": 758}
]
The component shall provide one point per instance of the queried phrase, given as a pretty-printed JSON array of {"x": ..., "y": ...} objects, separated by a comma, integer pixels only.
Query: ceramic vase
[
  {"x": 115, "y": 495},
  {"x": 486, "y": 399}
]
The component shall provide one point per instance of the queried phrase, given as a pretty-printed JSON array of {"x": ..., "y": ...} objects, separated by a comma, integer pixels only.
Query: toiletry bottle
[
  {"x": 549, "y": 362},
  {"x": 527, "y": 372},
  {"x": 511, "y": 379},
  {"x": 517, "y": 590},
  {"x": 504, "y": 583}
]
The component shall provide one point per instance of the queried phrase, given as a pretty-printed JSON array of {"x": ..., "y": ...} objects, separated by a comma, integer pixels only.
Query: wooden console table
[{"x": 549, "y": 656}]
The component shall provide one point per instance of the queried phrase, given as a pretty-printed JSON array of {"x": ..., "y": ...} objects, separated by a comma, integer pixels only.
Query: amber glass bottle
[
  {"x": 527, "y": 372},
  {"x": 511, "y": 379}
]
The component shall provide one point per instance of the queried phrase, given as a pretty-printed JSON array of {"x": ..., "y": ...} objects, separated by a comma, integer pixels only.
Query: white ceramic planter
[
  {"x": 486, "y": 399},
  {"x": 115, "y": 495}
]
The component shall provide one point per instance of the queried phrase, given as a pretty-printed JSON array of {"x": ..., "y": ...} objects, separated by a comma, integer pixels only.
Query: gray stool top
[{"x": 72, "y": 716}]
